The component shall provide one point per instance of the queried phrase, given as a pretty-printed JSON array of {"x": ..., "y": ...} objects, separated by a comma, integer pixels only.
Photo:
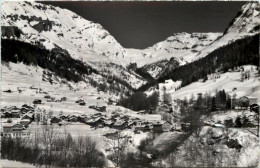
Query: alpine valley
[{"x": 72, "y": 96}]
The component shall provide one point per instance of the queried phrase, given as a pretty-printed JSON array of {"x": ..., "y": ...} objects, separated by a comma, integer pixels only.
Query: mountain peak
[
  {"x": 247, "y": 19},
  {"x": 53, "y": 26}
]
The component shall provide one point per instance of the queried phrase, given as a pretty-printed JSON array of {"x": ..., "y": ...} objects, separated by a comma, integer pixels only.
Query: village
[
  {"x": 166, "y": 117},
  {"x": 15, "y": 121}
]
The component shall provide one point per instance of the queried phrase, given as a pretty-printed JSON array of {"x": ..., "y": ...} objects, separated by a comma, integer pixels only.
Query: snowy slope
[
  {"x": 245, "y": 24},
  {"x": 227, "y": 81},
  {"x": 29, "y": 80},
  {"x": 182, "y": 46},
  {"x": 53, "y": 26},
  {"x": 89, "y": 41}
]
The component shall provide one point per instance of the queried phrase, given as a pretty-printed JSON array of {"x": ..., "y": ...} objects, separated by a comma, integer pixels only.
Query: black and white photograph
[{"x": 129, "y": 84}]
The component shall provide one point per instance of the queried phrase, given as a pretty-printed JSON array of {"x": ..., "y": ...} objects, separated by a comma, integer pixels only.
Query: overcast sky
[{"x": 142, "y": 24}]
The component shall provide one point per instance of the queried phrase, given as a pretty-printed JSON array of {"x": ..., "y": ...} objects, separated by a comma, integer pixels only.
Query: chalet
[
  {"x": 82, "y": 119},
  {"x": 47, "y": 96},
  {"x": 97, "y": 114},
  {"x": 27, "y": 106},
  {"x": 62, "y": 122},
  {"x": 113, "y": 135},
  {"x": 25, "y": 122},
  {"x": 213, "y": 76},
  {"x": 108, "y": 123},
  {"x": 63, "y": 117},
  {"x": 7, "y": 127},
  {"x": 244, "y": 102},
  {"x": 24, "y": 110},
  {"x": 37, "y": 101},
  {"x": 166, "y": 126},
  {"x": 125, "y": 118},
  {"x": 129, "y": 123},
  {"x": 55, "y": 120},
  {"x": 16, "y": 130},
  {"x": 141, "y": 112},
  {"x": 60, "y": 34},
  {"x": 91, "y": 107},
  {"x": 15, "y": 113},
  {"x": 17, "y": 127},
  {"x": 63, "y": 99},
  {"x": 142, "y": 127},
  {"x": 73, "y": 118},
  {"x": 254, "y": 107},
  {"x": 90, "y": 121},
  {"x": 101, "y": 109},
  {"x": 115, "y": 115},
  {"x": 157, "y": 127},
  {"x": 99, "y": 121},
  {"x": 119, "y": 125},
  {"x": 82, "y": 103},
  {"x": 111, "y": 102},
  {"x": 80, "y": 100},
  {"x": 168, "y": 81},
  {"x": 7, "y": 114},
  {"x": 252, "y": 100},
  {"x": 27, "y": 117}
]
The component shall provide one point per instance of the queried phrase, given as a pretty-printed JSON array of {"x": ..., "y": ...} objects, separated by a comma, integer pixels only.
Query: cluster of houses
[
  {"x": 244, "y": 102},
  {"x": 23, "y": 116},
  {"x": 212, "y": 76},
  {"x": 13, "y": 130},
  {"x": 115, "y": 121},
  {"x": 15, "y": 112}
]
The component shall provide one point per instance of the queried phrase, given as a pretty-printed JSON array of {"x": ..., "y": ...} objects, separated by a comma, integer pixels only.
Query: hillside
[
  {"x": 77, "y": 98},
  {"x": 44, "y": 27},
  {"x": 245, "y": 24},
  {"x": 181, "y": 46},
  {"x": 45, "y": 24},
  {"x": 219, "y": 81}
]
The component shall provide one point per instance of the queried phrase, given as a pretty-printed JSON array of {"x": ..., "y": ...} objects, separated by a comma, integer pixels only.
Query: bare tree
[
  {"x": 118, "y": 146},
  {"x": 48, "y": 137}
]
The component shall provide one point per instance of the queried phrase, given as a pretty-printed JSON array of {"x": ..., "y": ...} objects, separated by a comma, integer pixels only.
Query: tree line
[
  {"x": 240, "y": 52},
  {"x": 140, "y": 101},
  {"x": 56, "y": 60},
  {"x": 49, "y": 148},
  {"x": 204, "y": 104}
]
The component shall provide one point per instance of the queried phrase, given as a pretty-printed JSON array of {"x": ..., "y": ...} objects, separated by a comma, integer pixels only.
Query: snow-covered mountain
[
  {"x": 53, "y": 26},
  {"x": 246, "y": 23},
  {"x": 88, "y": 41},
  {"x": 182, "y": 46}
]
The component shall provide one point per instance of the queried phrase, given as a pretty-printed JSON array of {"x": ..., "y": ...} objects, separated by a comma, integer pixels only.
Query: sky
[{"x": 142, "y": 24}]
